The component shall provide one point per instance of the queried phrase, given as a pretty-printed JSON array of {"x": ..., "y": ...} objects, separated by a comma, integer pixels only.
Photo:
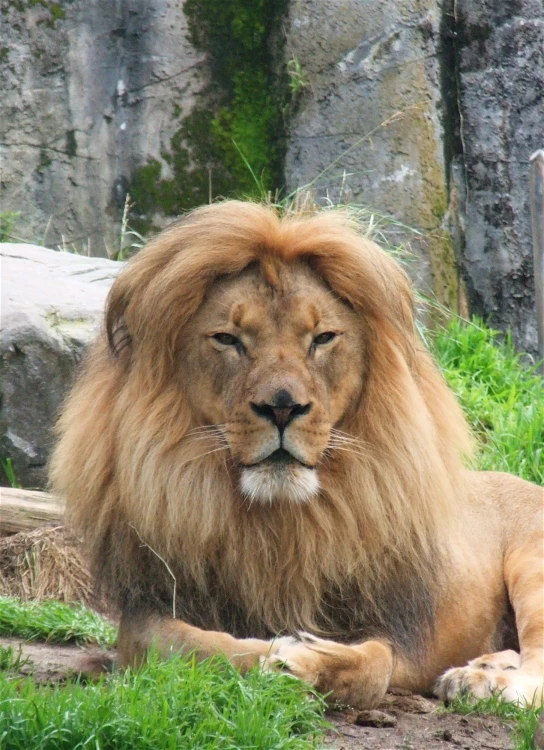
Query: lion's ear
[{"x": 117, "y": 331}]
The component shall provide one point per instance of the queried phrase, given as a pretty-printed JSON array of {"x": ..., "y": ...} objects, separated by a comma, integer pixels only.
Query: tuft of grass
[
  {"x": 8, "y": 219},
  {"x": 522, "y": 719},
  {"x": 502, "y": 398},
  {"x": 165, "y": 706},
  {"x": 11, "y": 659},
  {"x": 55, "y": 622},
  {"x": 7, "y": 467}
]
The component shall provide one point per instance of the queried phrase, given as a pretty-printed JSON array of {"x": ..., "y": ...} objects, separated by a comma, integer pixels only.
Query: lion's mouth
[{"x": 279, "y": 458}]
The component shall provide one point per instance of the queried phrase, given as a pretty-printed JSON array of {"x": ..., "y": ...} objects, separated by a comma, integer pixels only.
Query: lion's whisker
[
  {"x": 345, "y": 436},
  {"x": 358, "y": 452},
  {"x": 342, "y": 440},
  {"x": 206, "y": 428},
  {"x": 207, "y": 453},
  {"x": 345, "y": 440},
  {"x": 208, "y": 436}
]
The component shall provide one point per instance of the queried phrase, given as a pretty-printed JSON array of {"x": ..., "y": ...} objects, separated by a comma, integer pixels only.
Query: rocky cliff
[
  {"x": 92, "y": 92},
  {"x": 421, "y": 110}
]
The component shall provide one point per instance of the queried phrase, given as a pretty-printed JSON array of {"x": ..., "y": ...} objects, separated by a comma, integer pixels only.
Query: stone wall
[
  {"x": 467, "y": 77},
  {"x": 423, "y": 110},
  {"x": 368, "y": 124},
  {"x": 91, "y": 91},
  {"x": 499, "y": 62}
]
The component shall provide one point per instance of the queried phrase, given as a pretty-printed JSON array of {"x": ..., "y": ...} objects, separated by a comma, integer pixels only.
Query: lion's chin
[{"x": 268, "y": 483}]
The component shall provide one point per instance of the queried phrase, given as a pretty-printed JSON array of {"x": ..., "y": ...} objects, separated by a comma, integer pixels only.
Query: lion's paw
[
  {"x": 493, "y": 674},
  {"x": 296, "y": 657},
  {"x": 345, "y": 673}
]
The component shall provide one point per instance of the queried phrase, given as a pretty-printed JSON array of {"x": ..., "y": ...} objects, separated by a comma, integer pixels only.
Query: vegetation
[
  {"x": 240, "y": 123},
  {"x": 502, "y": 398},
  {"x": 55, "y": 622},
  {"x": 174, "y": 704},
  {"x": 8, "y": 219},
  {"x": 7, "y": 473}
]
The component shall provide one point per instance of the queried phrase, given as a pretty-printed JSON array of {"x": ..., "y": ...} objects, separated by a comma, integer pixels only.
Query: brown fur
[{"x": 378, "y": 551}]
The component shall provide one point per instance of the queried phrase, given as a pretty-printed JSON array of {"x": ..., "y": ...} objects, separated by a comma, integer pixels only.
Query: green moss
[
  {"x": 45, "y": 161},
  {"x": 439, "y": 207},
  {"x": 446, "y": 281},
  {"x": 57, "y": 11},
  {"x": 71, "y": 143},
  {"x": 231, "y": 143}
]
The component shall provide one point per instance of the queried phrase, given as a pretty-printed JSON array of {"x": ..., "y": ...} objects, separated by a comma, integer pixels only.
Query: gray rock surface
[
  {"x": 371, "y": 110},
  {"x": 51, "y": 306},
  {"x": 499, "y": 49},
  {"x": 468, "y": 78},
  {"x": 90, "y": 92}
]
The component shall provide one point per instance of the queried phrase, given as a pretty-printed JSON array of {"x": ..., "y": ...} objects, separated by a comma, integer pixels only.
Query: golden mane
[{"x": 138, "y": 489}]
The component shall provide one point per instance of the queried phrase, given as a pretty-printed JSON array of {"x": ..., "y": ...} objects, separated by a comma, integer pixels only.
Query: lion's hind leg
[
  {"x": 490, "y": 675},
  {"x": 517, "y": 678}
]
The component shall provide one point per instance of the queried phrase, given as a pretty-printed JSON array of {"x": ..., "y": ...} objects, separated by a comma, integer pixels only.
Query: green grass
[
  {"x": 175, "y": 704},
  {"x": 503, "y": 400},
  {"x": 55, "y": 622},
  {"x": 6, "y": 465}
]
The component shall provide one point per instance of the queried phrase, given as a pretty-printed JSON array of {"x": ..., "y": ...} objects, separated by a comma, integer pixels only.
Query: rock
[
  {"x": 91, "y": 93},
  {"x": 375, "y": 718},
  {"x": 368, "y": 125},
  {"x": 499, "y": 53},
  {"x": 468, "y": 81},
  {"x": 52, "y": 304}
]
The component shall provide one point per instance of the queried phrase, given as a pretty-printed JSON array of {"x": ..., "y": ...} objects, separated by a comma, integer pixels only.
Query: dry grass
[{"x": 46, "y": 563}]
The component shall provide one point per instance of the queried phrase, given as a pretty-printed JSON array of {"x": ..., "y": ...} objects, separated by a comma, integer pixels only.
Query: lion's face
[{"x": 275, "y": 361}]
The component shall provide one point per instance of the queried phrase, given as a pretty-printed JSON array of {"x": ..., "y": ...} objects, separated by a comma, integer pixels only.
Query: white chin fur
[{"x": 267, "y": 484}]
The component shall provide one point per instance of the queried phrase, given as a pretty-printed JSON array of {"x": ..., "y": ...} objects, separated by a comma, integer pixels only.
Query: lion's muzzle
[{"x": 282, "y": 466}]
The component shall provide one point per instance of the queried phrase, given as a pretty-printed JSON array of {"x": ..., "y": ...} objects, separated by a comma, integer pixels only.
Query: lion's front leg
[
  {"x": 356, "y": 675},
  {"x": 141, "y": 632}
]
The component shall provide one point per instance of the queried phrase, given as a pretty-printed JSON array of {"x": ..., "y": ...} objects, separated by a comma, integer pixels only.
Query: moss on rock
[{"x": 231, "y": 143}]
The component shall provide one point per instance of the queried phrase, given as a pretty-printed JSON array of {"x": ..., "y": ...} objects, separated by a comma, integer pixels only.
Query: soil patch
[{"x": 416, "y": 723}]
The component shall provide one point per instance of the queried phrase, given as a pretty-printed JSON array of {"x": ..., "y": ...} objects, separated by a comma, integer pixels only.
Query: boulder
[{"x": 52, "y": 305}]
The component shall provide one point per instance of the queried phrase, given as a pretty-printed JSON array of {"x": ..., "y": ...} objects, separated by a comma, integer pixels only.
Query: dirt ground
[
  {"x": 402, "y": 722},
  {"x": 411, "y": 722}
]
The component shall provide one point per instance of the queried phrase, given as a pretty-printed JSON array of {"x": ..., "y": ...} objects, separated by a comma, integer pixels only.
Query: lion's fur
[{"x": 139, "y": 492}]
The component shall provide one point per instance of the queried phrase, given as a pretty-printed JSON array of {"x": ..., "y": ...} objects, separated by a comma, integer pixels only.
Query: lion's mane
[{"x": 155, "y": 513}]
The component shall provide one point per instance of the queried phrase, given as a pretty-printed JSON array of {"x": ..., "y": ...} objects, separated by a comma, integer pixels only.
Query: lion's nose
[{"x": 281, "y": 410}]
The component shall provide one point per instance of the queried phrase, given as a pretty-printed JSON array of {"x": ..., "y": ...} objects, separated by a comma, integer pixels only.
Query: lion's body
[{"x": 261, "y": 445}]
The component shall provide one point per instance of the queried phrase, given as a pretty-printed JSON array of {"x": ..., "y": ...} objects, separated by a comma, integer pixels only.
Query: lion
[{"x": 265, "y": 462}]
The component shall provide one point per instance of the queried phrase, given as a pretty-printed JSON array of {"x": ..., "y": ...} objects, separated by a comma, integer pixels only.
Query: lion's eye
[
  {"x": 324, "y": 338},
  {"x": 227, "y": 339}
]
